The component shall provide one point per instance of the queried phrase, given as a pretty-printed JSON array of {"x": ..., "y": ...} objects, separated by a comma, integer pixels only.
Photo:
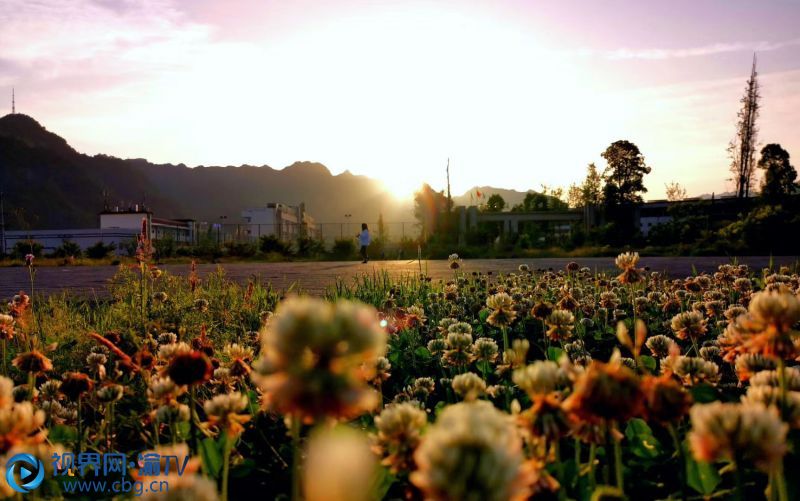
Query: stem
[
  {"x": 193, "y": 419},
  {"x": 592, "y": 459},
  {"x": 681, "y": 460},
  {"x": 226, "y": 460},
  {"x": 618, "y": 463},
  {"x": 780, "y": 482},
  {"x": 782, "y": 386},
  {"x": 295, "y": 430},
  {"x": 738, "y": 493},
  {"x": 562, "y": 491},
  {"x": 80, "y": 425},
  {"x": 505, "y": 339}
]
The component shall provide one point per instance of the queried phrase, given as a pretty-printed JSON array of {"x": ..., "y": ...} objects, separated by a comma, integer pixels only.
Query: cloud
[{"x": 706, "y": 50}]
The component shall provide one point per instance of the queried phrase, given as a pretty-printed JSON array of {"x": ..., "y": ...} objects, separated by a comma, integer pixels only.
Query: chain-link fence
[{"x": 290, "y": 232}]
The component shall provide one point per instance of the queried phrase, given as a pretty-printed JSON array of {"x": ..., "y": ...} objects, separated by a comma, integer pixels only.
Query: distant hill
[
  {"x": 512, "y": 197},
  {"x": 47, "y": 184}
]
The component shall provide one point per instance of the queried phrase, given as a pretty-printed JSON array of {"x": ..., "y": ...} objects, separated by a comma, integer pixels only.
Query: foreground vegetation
[{"x": 562, "y": 384}]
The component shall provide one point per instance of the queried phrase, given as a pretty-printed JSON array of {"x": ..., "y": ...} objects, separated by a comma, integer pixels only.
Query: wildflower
[
  {"x": 502, "y": 307},
  {"x": 421, "y": 388},
  {"x": 201, "y": 305},
  {"x": 6, "y": 327},
  {"x": 560, "y": 324},
  {"x": 748, "y": 364},
  {"x": 539, "y": 378},
  {"x": 437, "y": 346},
  {"x": 239, "y": 358},
  {"x": 29, "y": 260},
  {"x": 692, "y": 370},
  {"x": 399, "y": 431},
  {"x": 472, "y": 452},
  {"x": 524, "y": 268},
  {"x": 110, "y": 393},
  {"x": 414, "y": 316},
  {"x": 711, "y": 353},
  {"x": 75, "y": 385},
  {"x": 767, "y": 328},
  {"x": 627, "y": 262},
  {"x": 340, "y": 466},
  {"x": 190, "y": 368},
  {"x": 660, "y": 345},
  {"x": 469, "y": 386},
  {"x": 225, "y": 412},
  {"x": 33, "y": 362},
  {"x": 545, "y": 418},
  {"x": 21, "y": 424},
  {"x": 690, "y": 324},
  {"x": 161, "y": 297},
  {"x": 458, "y": 349},
  {"x": 485, "y": 350},
  {"x": 541, "y": 310},
  {"x": 454, "y": 261},
  {"x": 317, "y": 358},
  {"x": 770, "y": 378},
  {"x": 605, "y": 391},
  {"x": 167, "y": 338},
  {"x": 665, "y": 400},
  {"x": 727, "y": 431},
  {"x": 515, "y": 357},
  {"x": 770, "y": 396},
  {"x": 572, "y": 267},
  {"x": 382, "y": 368}
]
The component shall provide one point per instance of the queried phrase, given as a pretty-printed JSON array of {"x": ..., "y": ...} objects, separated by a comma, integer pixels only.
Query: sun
[{"x": 402, "y": 187}]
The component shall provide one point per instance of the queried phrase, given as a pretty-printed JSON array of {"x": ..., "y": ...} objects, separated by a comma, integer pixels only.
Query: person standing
[{"x": 364, "y": 239}]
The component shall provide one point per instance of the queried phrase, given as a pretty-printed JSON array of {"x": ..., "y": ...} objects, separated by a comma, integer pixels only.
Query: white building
[
  {"x": 283, "y": 221},
  {"x": 118, "y": 227}
]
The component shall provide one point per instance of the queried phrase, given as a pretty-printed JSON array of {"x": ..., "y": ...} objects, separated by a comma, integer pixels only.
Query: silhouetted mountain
[{"x": 47, "y": 184}]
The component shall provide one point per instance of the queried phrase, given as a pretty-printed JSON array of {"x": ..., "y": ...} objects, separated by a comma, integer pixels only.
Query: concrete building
[
  {"x": 286, "y": 222},
  {"x": 118, "y": 227}
]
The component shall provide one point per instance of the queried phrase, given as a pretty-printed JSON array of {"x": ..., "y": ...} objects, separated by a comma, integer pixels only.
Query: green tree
[
  {"x": 495, "y": 204},
  {"x": 382, "y": 233},
  {"x": 779, "y": 174},
  {"x": 592, "y": 187},
  {"x": 624, "y": 174}
]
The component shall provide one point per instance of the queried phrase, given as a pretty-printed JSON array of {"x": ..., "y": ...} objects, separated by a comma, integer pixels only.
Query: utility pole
[
  {"x": 13, "y": 102},
  {"x": 449, "y": 198}
]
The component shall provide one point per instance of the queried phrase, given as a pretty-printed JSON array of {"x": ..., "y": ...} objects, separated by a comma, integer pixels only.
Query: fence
[{"x": 289, "y": 232}]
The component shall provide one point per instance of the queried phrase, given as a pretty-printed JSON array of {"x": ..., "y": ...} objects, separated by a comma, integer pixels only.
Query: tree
[
  {"x": 779, "y": 174},
  {"x": 588, "y": 193},
  {"x": 592, "y": 189},
  {"x": 428, "y": 208},
  {"x": 675, "y": 192},
  {"x": 624, "y": 174},
  {"x": 495, "y": 203},
  {"x": 382, "y": 234},
  {"x": 742, "y": 148}
]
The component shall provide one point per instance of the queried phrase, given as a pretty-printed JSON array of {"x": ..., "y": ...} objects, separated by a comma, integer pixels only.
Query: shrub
[
  {"x": 240, "y": 249},
  {"x": 309, "y": 247},
  {"x": 25, "y": 247},
  {"x": 343, "y": 248},
  {"x": 164, "y": 247},
  {"x": 99, "y": 250},
  {"x": 271, "y": 243}
]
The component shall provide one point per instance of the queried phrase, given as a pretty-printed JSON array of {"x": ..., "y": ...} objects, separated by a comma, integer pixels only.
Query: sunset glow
[{"x": 510, "y": 91}]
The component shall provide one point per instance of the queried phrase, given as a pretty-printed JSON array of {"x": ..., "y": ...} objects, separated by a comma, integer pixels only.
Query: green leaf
[
  {"x": 700, "y": 476},
  {"x": 642, "y": 443},
  {"x": 704, "y": 393},
  {"x": 62, "y": 434},
  {"x": 211, "y": 455},
  {"x": 422, "y": 352},
  {"x": 484, "y": 366},
  {"x": 554, "y": 353},
  {"x": 483, "y": 314},
  {"x": 648, "y": 362}
]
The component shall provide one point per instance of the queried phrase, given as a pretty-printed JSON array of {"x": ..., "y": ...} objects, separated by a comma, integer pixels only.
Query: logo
[{"x": 30, "y": 469}]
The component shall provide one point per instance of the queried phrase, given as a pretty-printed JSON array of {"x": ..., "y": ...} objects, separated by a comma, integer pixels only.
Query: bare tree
[{"x": 742, "y": 148}]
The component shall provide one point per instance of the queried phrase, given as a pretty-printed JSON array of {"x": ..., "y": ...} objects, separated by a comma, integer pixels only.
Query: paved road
[{"x": 315, "y": 277}]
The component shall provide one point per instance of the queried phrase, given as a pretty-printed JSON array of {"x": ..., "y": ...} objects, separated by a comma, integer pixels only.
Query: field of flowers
[{"x": 563, "y": 384}]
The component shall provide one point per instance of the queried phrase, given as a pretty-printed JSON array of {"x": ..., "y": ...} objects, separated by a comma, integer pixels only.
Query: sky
[{"x": 517, "y": 94}]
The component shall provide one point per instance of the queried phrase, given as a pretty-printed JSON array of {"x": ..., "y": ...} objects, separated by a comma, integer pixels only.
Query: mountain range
[{"x": 48, "y": 184}]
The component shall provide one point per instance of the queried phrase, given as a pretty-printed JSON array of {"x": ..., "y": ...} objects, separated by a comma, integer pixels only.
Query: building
[
  {"x": 283, "y": 221},
  {"x": 118, "y": 227},
  {"x": 181, "y": 231}
]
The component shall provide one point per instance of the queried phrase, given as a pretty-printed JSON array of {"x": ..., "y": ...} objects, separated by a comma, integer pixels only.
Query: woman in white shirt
[{"x": 364, "y": 239}]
